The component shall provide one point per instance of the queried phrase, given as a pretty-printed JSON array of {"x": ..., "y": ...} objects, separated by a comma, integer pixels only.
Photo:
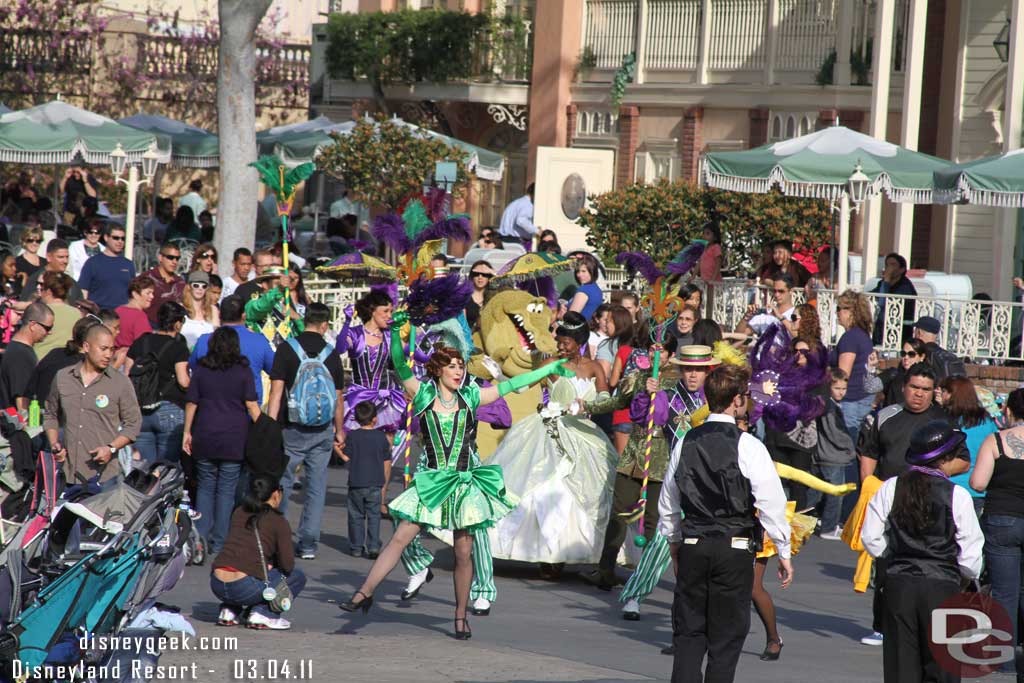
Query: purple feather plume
[
  {"x": 639, "y": 262},
  {"x": 455, "y": 228},
  {"x": 439, "y": 299},
  {"x": 436, "y": 202},
  {"x": 685, "y": 260},
  {"x": 772, "y": 359},
  {"x": 390, "y": 288},
  {"x": 541, "y": 286},
  {"x": 390, "y": 229}
]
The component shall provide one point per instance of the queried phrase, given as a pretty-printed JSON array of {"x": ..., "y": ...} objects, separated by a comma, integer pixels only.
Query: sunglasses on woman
[
  {"x": 908, "y": 354},
  {"x": 477, "y": 273},
  {"x": 205, "y": 256},
  {"x": 34, "y": 240},
  {"x": 198, "y": 285}
]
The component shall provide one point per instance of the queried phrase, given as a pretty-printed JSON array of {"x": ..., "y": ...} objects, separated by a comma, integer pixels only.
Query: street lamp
[
  {"x": 1002, "y": 43},
  {"x": 856, "y": 191},
  {"x": 118, "y": 161}
]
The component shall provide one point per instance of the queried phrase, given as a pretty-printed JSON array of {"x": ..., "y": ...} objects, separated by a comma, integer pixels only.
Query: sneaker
[
  {"x": 631, "y": 610},
  {"x": 227, "y": 617},
  {"x": 262, "y": 623},
  {"x": 307, "y": 554},
  {"x": 834, "y": 535},
  {"x": 874, "y": 639}
]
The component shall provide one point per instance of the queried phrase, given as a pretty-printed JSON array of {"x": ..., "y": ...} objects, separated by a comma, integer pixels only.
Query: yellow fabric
[
  {"x": 725, "y": 352},
  {"x": 851, "y": 532},
  {"x": 801, "y": 527},
  {"x": 862, "y": 575},
  {"x": 813, "y": 482}
]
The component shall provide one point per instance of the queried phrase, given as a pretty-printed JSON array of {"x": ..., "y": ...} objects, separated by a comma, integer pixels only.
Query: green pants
[
  {"x": 416, "y": 558},
  {"x": 627, "y": 492},
  {"x": 652, "y": 566}
]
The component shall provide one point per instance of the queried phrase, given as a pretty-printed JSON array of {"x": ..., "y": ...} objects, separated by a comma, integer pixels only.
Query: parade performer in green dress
[{"x": 450, "y": 489}]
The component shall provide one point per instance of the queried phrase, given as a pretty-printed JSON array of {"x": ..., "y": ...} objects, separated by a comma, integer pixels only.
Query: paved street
[{"x": 538, "y": 630}]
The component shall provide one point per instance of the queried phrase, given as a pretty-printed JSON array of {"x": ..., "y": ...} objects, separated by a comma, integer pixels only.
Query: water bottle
[
  {"x": 185, "y": 504},
  {"x": 33, "y": 414}
]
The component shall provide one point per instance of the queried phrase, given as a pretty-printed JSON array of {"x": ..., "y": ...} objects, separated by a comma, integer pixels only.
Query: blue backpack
[{"x": 312, "y": 398}]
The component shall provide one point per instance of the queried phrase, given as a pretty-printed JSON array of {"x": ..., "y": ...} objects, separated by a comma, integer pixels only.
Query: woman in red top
[
  {"x": 134, "y": 321},
  {"x": 710, "y": 269}
]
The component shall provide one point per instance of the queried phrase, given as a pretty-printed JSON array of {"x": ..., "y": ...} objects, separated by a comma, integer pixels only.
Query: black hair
[
  {"x": 688, "y": 290},
  {"x": 574, "y": 326},
  {"x": 706, "y": 332},
  {"x": 715, "y": 230},
  {"x": 898, "y": 258},
  {"x": 595, "y": 318},
  {"x": 241, "y": 251},
  {"x": 215, "y": 281},
  {"x": 1015, "y": 403},
  {"x": 261, "y": 488},
  {"x": 784, "y": 277},
  {"x": 366, "y": 411},
  {"x": 785, "y": 244},
  {"x": 670, "y": 345},
  {"x": 224, "y": 351},
  {"x": 921, "y": 370},
  {"x": 168, "y": 315},
  {"x": 79, "y": 332},
  {"x": 316, "y": 314},
  {"x": 108, "y": 315},
  {"x": 373, "y": 299},
  {"x": 195, "y": 185},
  {"x": 55, "y": 245},
  {"x": 912, "y": 508},
  {"x": 231, "y": 309}
]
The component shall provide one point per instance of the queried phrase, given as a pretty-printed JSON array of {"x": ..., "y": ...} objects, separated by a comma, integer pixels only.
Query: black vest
[
  {"x": 934, "y": 554},
  {"x": 453, "y": 454},
  {"x": 716, "y": 498}
]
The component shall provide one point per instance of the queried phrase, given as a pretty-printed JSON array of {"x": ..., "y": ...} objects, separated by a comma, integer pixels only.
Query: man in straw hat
[
  {"x": 683, "y": 400},
  {"x": 266, "y": 313}
]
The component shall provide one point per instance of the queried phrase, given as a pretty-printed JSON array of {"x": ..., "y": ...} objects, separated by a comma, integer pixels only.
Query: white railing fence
[
  {"x": 743, "y": 34},
  {"x": 969, "y": 328}
]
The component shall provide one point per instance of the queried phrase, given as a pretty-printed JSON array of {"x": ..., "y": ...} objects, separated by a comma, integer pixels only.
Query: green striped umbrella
[
  {"x": 191, "y": 146},
  {"x": 299, "y": 143},
  {"x": 819, "y": 165},
  {"x": 992, "y": 181},
  {"x": 59, "y": 133}
]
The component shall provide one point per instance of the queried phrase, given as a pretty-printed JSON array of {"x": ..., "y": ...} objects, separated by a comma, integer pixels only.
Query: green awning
[
  {"x": 992, "y": 181},
  {"x": 819, "y": 164},
  {"x": 191, "y": 146},
  {"x": 59, "y": 133}
]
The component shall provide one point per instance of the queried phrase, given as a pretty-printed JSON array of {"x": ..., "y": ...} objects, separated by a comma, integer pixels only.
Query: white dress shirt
[
  {"x": 517, "y": 219},
  {"x": 969, "y": 537},
  {"x": 756, "y": 465}
]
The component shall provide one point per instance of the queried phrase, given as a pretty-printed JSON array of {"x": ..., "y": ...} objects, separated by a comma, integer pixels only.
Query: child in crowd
[
  {"x": 369, "y": 456},
  {"x": 835, "y": 451}
]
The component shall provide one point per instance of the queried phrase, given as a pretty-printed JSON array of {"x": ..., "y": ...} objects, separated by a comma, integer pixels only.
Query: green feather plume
[{"x": 269, "y": 168}]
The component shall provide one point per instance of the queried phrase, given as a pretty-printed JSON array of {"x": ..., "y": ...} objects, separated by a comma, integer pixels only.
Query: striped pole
[
  {"x": 640, "y": 540},
  {"x": 408, "y": 407}
]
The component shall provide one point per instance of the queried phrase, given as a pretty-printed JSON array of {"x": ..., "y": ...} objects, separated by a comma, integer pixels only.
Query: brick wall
[
  {"x": 997, "y": 379},
  {"x": 758, "y": 127},
  {"x": 629, "y": 140},
  {"x": 692, "y": 143}
]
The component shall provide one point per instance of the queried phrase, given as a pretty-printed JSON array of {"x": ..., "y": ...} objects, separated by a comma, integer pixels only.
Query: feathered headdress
[
  {"x": 685, "y": 260},
  {"x": 431, "y": 301},
  {"x": 780, "y": 388},
  {"x": 423, "y": 219}
]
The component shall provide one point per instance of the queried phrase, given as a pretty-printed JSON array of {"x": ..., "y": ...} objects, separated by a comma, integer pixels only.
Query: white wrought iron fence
[
  {"x": 737, "y": 35},
  {"x": 673, "y": 35},
  {"x": 610, "y": 31},
  {"x": 989, "y": 330}
]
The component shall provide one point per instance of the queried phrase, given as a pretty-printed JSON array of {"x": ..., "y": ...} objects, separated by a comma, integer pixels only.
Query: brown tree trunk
[{"x": 236, "y": 126}]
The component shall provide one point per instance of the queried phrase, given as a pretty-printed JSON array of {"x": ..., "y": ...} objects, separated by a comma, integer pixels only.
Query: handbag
[{"x": 278, "y": 597}]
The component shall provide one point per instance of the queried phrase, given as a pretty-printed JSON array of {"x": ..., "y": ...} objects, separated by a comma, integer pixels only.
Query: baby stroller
[{"x": 143, "y": 555}]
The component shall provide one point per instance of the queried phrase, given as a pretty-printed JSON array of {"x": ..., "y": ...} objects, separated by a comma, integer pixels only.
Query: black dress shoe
[
  {"x": 352, "y": 606},
  {"x": 631, "y": 616},
  {"x": 464, "y": 634},
  {"x": 603, "y": 580},
  {"x": 769, "y": 655},
  {"x": 670, "y": 650}
]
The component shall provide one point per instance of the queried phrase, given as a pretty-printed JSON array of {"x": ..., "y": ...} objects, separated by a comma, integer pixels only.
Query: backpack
[
  {"x": 312, "y": 398},
  {"x": 145, "y": 377}
]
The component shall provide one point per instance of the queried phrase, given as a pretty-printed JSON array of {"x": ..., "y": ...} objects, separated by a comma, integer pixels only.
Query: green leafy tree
[
  {"x": 661, "y": 218},
  {"x": 383, "y": 163}
]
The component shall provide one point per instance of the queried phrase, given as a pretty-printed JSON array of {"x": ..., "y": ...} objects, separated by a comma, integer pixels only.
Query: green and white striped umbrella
[
  {"x": 59, "y": 133},
  {"x": 300, "y": 143},
  {"x": 992, "y": 181},
  {"x": 819, "y": 165},
  {"x": 191, "y": 146}
]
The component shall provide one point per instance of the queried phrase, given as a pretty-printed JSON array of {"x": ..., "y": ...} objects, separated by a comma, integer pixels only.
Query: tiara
[{"x": 571, "y": 326}]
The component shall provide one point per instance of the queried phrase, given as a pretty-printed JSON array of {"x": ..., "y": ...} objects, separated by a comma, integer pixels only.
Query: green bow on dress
[{"x": 436, "y": 486}]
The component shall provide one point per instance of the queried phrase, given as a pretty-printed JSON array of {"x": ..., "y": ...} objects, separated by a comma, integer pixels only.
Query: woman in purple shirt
[{"x": 220, "y": 403}]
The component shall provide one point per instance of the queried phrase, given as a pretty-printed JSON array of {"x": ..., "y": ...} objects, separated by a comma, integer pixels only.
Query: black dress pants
[
  {"x": 627, "y": 492},
  {"x": 878, "y": 599},
  {"x": 909, "y": 602},
  {"x": 711, "y": 610}
]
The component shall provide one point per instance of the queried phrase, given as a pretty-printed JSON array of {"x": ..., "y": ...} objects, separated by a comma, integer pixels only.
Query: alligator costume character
[{"x": 514, "y": 328}]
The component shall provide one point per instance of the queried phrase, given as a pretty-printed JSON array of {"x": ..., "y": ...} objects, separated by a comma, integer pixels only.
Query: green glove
[
  {"x": 257, "y": 310},
  {"x": 534, "y": 376},
  {"x": 402, "y": 368}
]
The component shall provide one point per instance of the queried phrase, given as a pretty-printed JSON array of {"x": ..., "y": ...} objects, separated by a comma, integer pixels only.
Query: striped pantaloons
[
  {"x": 653, "y": 563},
  {"x": 416, "y": 558}
]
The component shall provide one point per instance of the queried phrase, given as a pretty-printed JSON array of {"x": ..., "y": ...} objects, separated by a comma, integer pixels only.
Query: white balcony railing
[
  {"x": 770, "y": 36},
  {"x": 970, "y": 329}
]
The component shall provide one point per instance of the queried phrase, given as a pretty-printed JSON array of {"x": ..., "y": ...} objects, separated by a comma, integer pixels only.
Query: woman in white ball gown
[{"x": 561, "y": 466}]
